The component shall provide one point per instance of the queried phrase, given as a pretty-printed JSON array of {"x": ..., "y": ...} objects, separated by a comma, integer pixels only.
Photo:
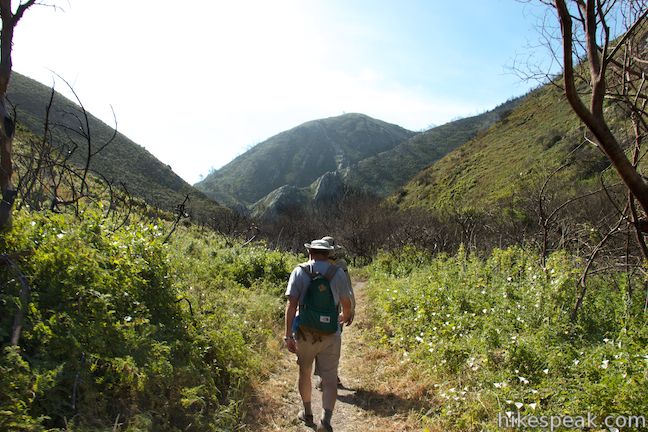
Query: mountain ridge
[
  {"x": 366, "y": 154},
  {"x": 506, "y": 161},
  {"x": 300, "y": 155},
  {"x": 122, "y": 161}
]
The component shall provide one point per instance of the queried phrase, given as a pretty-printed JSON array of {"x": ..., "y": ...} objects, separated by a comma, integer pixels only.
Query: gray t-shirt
[{"x": 299, "y": 281}]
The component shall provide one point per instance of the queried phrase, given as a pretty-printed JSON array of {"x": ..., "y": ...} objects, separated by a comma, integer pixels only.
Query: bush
[
  {"x": 497, "y": 334},
  {"x": 122, "y": 328}
]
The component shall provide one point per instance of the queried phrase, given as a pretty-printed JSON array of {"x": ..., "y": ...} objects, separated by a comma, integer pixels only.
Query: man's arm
[
  {"x": 353, "y": 303},
  {"x": 347, "y": 313},
  {"x": 291, "y": 310},
  {"x": 345, "y": 293}
]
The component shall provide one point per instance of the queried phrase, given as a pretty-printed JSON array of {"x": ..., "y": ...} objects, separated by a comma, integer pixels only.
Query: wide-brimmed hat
[
  {"x": 319, "y": 245},
  {"x": 330, "y": 240}
]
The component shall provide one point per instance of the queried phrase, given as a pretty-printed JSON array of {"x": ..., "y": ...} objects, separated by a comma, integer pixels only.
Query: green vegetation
[
  {"x": 122, "y": 162},
  {"x": 301, "y": 155},
  {"x": 104, "y": 325},
  {"x": 527, "y": 144},
  {"x": 370, "y": 155},
  {"x": 385, "y": 172},
  {"x": 123, "y": 331},
  {"x": 497, "y": 336}
]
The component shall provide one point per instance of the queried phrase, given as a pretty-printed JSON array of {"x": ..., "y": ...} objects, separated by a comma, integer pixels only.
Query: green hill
[
  {"x": 300, "y": 156},
  {"x": 121, "y": 162},
  {"x": 369, "y": 155},
  {"x": 536, "y": 137},
  {"x": 385, "y": 172}
]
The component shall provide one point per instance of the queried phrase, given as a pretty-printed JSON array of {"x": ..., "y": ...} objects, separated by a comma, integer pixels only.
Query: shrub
[
  {"x": 122, "y": 328},
  {"x": 497, "y": 334}
]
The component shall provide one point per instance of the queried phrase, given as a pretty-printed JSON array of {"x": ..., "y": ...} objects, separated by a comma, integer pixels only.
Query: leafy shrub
[
  {"x": 497, "y": 334},
  {"x": 122, "y": 328}
]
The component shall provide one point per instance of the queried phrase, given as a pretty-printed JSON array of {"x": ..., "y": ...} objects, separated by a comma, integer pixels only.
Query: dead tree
[
  {"x": 57, "y": 166},
  {"x": 7, "y": 126},
  {"x": 615, "y": 71}
]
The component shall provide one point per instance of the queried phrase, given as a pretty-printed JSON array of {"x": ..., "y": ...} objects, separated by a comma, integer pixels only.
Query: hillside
[
  {"x": 368, "y": 154},
  {"x": 123, "y": 161},
  {"x": 385, "y": 172},
  {"x": 300, "y": 156},
  {"x": 538, "y": 136}
]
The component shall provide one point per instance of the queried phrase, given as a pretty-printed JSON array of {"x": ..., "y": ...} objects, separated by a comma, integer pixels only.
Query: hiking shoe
[
  {"x": 324, "y": 427},
  {"x": 306, "y": 418}
]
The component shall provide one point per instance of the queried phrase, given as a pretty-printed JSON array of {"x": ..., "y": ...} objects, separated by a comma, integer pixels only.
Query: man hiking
[
  {"x": 336, "y": 258},
  {"x": 319, "y": 290}
]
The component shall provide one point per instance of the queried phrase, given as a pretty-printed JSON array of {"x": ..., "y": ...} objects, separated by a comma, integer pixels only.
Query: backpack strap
[
  {"x": 330, "y": 273},
  {"x": 308, "y": 269}
]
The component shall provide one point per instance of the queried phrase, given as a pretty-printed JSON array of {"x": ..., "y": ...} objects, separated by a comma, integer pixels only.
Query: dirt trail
[{"x": 382, "y": 392}]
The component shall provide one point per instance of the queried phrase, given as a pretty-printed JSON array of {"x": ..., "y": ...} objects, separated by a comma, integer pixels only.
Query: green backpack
[{"x": 318, "y": 313}]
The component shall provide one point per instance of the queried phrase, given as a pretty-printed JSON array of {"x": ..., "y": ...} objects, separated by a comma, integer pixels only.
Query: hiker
[
  {"x": 317, "y": 333},
  {"x": 335, "y": 258}
]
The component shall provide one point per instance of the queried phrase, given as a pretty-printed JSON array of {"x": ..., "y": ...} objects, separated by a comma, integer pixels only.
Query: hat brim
[
  {"x": 318, "y": 247},
  {"x": 330, "y": 240}
]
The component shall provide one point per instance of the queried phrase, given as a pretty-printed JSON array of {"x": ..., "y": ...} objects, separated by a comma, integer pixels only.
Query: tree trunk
[
  {"x": 9, "y": 21},
  {"x": 6, "y": 123},
  {"x": 593, "y": 117}
]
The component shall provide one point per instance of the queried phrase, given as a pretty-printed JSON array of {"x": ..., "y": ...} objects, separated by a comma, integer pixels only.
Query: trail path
[{"x": 382, "y": 392}]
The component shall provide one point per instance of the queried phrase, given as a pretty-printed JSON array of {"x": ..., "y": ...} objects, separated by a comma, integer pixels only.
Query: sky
[{"x": 199, "y": 82}]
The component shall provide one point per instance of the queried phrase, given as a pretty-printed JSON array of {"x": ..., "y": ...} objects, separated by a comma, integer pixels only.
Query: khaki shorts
[{"x": 327, "y": 352}]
